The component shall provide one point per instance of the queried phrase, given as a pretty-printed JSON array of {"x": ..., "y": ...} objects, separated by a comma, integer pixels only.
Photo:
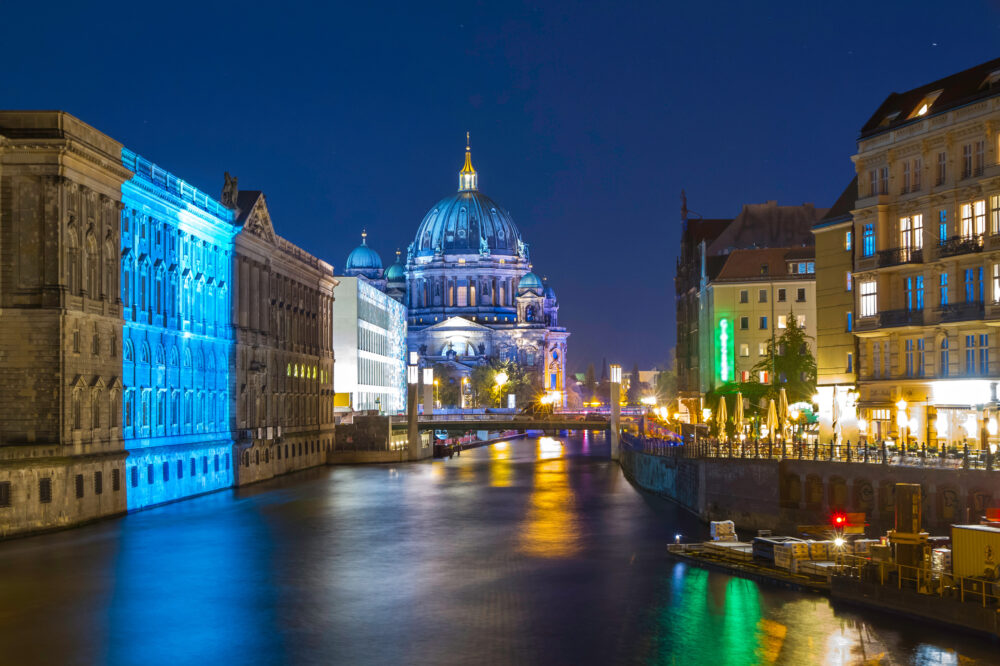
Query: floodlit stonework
[{"x": 62, "y": 456}]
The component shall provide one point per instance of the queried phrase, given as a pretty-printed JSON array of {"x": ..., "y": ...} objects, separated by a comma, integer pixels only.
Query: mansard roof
[
  {"x": 768, "y": 225},
  {"x": 952, "y": 91}
]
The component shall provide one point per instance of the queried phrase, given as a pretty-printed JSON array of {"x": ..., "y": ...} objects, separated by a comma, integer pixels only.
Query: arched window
[
  {"x": 127, "y": 272},
  {"x": 93, "y": 263},
  {"x": 95, "y": 409},
  {"x": 129, "y": 408},
  {"x": 187, "y": 357},
  {"x": 110, "y": 269},
  {"x": 173, "y": 356},
  {"x": 77, "y": 408},
  {"x": 529, "y": 313},
  {"x": 144, "y": 353},
  {"x": 143, "y": 301},
  {"x": 127, "y": 352},
  {"x": 73, "y": 250},
  {"x": 159, "y": 354}
]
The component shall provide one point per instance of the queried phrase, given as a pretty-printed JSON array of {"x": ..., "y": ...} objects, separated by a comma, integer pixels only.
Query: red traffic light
[{"x": 839, "y": 519}]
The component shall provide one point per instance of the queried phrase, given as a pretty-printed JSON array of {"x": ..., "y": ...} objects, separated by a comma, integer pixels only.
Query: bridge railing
[{"x": 835, "y": 453}]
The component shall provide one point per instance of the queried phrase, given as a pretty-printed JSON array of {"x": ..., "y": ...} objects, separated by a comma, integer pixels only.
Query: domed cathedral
[{"x": 470, "y": 291}]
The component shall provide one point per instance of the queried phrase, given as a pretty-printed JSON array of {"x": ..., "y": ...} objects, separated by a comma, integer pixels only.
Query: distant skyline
[{"x": 586, "y": 120}]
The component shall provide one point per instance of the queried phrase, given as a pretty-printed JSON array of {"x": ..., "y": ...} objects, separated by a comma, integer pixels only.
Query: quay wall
[{"x": 779, "y": 495}]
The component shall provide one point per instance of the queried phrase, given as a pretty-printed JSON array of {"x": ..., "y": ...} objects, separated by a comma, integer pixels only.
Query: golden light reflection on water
[
  {"x": 551, "y": 527},
  {"x": 501, "y": 470}
]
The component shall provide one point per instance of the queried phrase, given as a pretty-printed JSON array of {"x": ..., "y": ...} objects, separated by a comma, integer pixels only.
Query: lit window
[
  {"x": 868, "y": 240},
  {"x": 850, "y": 321},
  {"x": 761, "y": 349},
  {"x": 744, "y": 349},
  {"x": 782, "y": 321},
  {"x": 869, "y": 298},
  {"x": 847, "y": 240},
  {"x": 800, "y": 321},
  {"x": 850, "y": 283}
]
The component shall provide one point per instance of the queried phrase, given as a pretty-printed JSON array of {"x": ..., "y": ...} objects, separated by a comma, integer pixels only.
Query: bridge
[{"x": 512, "y": 422}]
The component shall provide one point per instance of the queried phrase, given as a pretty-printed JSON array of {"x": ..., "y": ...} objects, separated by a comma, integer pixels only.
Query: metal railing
[
  {"x": 920, "y": 579},
  {"x": 901, "y": 317},
  {"x": 900, "y": 255},
  {"x": 763, "y": 449},
  {"x": 957, "y": 245},
  {"x": 961, "y": 311}
]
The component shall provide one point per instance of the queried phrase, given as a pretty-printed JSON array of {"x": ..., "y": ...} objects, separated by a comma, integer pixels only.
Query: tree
[
  {"x": 789, "y": 364},
  {"x": 666, "y": 381},
  {"x": 590, "y": 382},
  {"x": 522, "y": 381},
  {"x": 449, "y": 388},
  {"x": 634, "y": 393}
]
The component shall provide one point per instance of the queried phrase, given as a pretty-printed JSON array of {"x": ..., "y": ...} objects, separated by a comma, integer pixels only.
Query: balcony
[
  {"x": 961, "y": 311},
  {"x": 900, "y": 255},
  {"x": 904, "y": 317},
  {"x": 957, "y": 245}
]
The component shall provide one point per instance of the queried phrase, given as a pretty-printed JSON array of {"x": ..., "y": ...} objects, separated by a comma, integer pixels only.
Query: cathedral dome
[
  {"x": 467, "y": 222},
  {"x": 363, "y": 258},
  {"x": 396, "y": 272},
  {"x": 530, "y": 282}
]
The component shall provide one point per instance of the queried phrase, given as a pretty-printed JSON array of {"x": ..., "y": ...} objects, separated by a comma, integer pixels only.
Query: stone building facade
[
  {"x": 706, "y": 246},
  {"x": 62, "y": 459},
  {"x": 282, "y": 316},
  {"x": 926, "y": 261},
  {"x": 756, "y": 295},
  {"x": 176, "y": 253},
  {"x": 836, "y": 345}
]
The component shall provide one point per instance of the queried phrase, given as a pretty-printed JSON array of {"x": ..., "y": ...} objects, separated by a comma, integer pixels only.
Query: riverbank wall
[{"x": 782, "y": 494}]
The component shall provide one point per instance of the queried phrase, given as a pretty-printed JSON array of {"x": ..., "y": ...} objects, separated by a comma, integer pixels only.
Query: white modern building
[{"x": 369, "y": 339}]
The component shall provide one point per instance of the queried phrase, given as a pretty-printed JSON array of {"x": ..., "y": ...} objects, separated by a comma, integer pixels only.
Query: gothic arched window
[
  {"x": 93, "y": 263},
  {"x": 127, "y": 352}
]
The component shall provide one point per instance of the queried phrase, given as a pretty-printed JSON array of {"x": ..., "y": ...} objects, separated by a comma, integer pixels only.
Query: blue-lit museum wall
[{"x": 176, "y": 254}]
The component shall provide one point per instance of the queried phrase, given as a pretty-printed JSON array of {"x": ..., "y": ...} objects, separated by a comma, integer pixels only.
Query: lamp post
[
  {"x": 616, "y": 388},
  {"x": 436, "y": 398},
  {"x": 465, "y": 383},
  {"x": 500, "y": 379},
  {"x": 901, "y": 423},
  {"x": 429, "y": 385},
  {"x": 412, "y": 386}
]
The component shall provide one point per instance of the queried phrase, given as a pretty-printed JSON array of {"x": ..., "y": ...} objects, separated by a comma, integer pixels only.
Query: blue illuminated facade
[{"x": 177, "y": 344}]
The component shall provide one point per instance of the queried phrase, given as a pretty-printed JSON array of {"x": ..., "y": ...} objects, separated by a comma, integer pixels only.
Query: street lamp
[
  {"x": 436, "y": 399},
  {"x": 501, "y": 378}
]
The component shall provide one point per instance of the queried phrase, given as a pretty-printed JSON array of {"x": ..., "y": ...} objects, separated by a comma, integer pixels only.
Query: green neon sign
[{"x": 725, "y": 351}]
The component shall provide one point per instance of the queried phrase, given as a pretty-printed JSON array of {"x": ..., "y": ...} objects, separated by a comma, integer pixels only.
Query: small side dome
[
  {"x": 363, "y": 260},
  {"x": 396, "y": 272},
  {"x": 550, "y": 293},
  {"x": 530, "y": 282}
]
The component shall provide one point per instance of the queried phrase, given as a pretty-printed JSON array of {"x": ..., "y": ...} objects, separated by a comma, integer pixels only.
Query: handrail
[{"x": 930, "y": 580}]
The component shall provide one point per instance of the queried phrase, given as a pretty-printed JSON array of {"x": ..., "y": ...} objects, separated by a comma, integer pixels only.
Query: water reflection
[
  {"x": 531, "y": 551},
  {"x": 551, "y": 527}
]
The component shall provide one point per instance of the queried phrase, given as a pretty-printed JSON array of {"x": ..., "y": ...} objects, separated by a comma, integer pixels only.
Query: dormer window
[
  {"x": 925, "y": 104},
  {"x": 889, "y": 119},
  {"x": 990, "y": 81}
]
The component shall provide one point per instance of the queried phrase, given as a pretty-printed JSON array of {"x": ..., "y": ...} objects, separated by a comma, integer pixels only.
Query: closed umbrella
[
  {"x": 720, "y": 417},
  {"x": 783, "y": 416},
  {"x": 772, "y": 424},
  {"x": 738, "y": 418}
]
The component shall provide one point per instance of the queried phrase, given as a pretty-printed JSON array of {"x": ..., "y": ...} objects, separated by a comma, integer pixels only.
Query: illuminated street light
[{"x": 501, "y": 378}]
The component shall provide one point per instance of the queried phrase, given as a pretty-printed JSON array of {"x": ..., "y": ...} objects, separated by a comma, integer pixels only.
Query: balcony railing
[
  {"x": 900, "y": 255},
  {"x": 904, "y": 317},
  {"x": 957, "y": 245},
  {"x": 961, "y": 311}
]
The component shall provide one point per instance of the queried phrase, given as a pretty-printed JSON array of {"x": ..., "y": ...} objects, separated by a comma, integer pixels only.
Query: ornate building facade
[
  {"x": 176, "y": 259},
  {"x": 284, "y": 359},
  {"x": 925, "y": 247},
  {"x": 62, "y": 459},
  {"x": 470, "y": 291}
]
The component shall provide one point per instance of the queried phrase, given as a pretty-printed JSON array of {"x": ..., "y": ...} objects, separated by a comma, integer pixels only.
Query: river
[{"x": 533, "y": 551}]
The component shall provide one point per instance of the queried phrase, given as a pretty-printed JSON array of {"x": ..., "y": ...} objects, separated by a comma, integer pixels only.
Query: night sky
[{"x": 586, "y": 121}]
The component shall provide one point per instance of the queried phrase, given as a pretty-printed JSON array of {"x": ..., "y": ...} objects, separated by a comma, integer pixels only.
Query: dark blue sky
[{"x": 586, "y": 120}]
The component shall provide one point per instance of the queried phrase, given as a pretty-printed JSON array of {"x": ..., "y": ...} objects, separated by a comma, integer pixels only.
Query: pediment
[
  {"x": 453, "y": 323},
  {"x": 258, "y": 221}
]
